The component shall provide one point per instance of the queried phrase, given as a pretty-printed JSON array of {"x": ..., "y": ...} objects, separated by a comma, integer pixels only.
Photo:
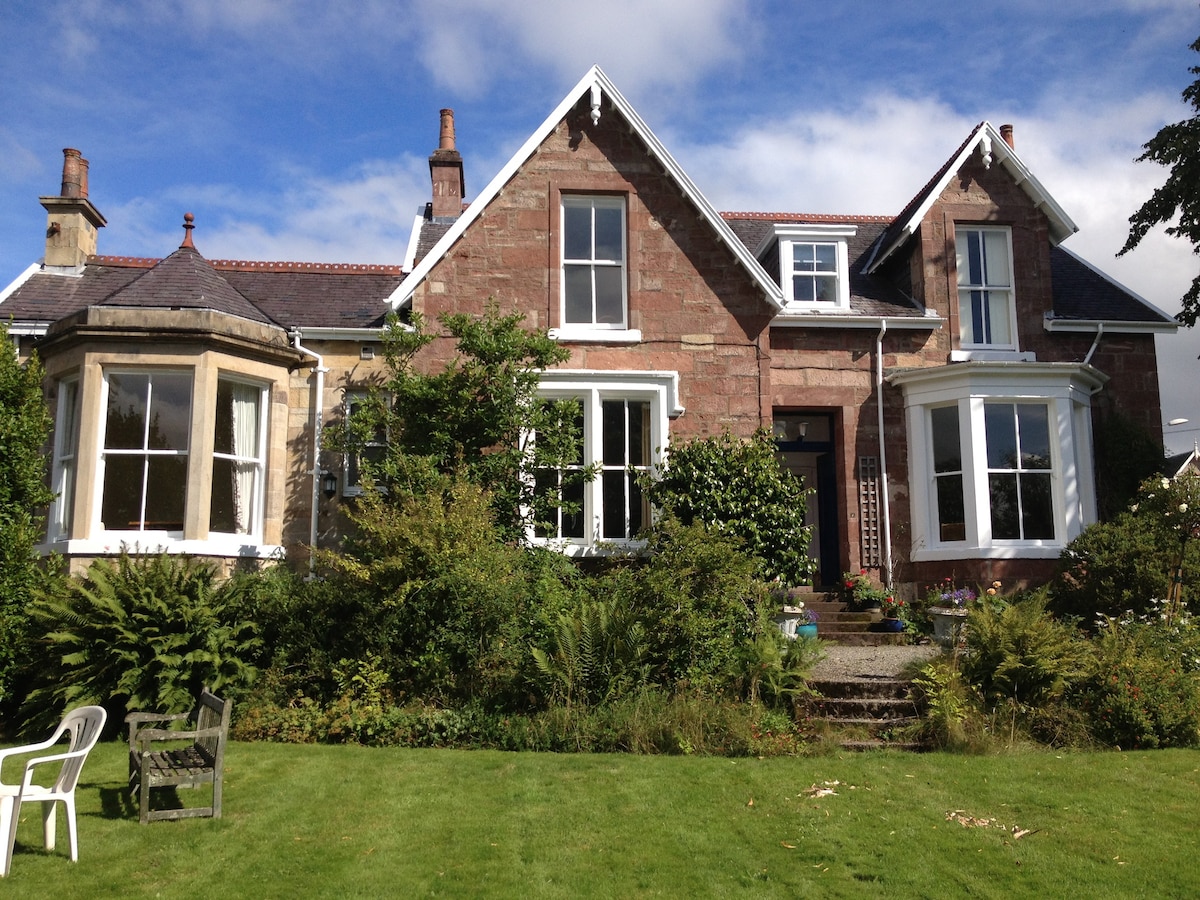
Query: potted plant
[
  {"x": 948, "y": 607},
  {"x": 806, "y": 624},
  {"x": 893, "y": 612},
  {"x": 797, "y": 620},
  {"x": 859, "y": 594}
]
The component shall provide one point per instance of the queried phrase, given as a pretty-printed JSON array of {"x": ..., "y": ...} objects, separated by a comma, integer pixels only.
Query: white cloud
[{"x": 642, "y": 43}]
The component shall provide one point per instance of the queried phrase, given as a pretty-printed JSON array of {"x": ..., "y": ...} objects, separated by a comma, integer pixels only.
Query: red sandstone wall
[{"x": 699, "y": 312}]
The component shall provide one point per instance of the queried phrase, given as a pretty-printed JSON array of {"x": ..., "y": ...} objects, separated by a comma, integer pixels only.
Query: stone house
[{"x": 936, "y": 377}]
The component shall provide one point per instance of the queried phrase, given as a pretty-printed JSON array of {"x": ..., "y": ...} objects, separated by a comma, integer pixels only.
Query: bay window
[{"x": 999, "y": 458}]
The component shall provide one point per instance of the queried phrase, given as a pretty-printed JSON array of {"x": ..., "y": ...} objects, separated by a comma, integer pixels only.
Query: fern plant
[
  {"x": 1021, "y": 653},
  {"x": 140, "y": 632},
  {"x": 598, "y": 652}
]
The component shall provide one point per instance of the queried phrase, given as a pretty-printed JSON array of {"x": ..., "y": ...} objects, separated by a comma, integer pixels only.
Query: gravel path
[{"x": 843, "y": 661}]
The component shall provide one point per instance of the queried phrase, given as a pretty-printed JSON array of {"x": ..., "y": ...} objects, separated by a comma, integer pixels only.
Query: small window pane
[
  {"x": 121, "y": 507},
  {"x": 613, "y": 424},
  {"x": 166, "y": 476},
  {"x": 609, "y": 295},
  {"x": 804, "y": 289},
  {"x": 1001, "y": 428},
  {"x": 572, "y": 521},
  {"x": 947, "y": 455},
  {"x": 577, "y": 232},
  {"x": 951, "y": 511},
  {"x": 995, "y": 247},
  {"x": 614, "y": 503},
  {"x": 170, "y": 410},
  {"x": 1034, "y": 422},
  {"x": 609, "y": 236},
  {"x": 1006, "y": 518},
  {"x": 826, "y": 257},
  {"x": 825, "y": 289},
  {"x": 1037, "y": 507},
  {"x": 125, "y": 421},
  {"x": 578, "y": 282},
  {"x": 639, "y": 433}
]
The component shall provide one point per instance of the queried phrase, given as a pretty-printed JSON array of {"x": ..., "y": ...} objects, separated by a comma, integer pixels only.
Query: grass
[{"x": 323, "y": 821}]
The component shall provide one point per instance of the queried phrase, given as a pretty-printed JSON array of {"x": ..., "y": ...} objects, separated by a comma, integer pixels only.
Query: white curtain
[{"x": 245, "y": 399}]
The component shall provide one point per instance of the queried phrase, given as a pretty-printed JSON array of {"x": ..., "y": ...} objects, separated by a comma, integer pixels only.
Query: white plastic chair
[{"x": 85, "y": 725}]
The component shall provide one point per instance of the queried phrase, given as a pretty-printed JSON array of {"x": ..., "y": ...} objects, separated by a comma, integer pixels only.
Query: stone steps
[
  {"x": 842, "y": 626},
  {"x": 865, "y": 713}
]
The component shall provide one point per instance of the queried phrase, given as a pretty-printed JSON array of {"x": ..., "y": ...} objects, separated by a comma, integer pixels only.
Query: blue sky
[{"x": 300, "y": 130}]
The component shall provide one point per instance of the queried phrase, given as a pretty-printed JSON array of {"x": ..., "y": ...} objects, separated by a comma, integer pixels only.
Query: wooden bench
[{"x": 192, "y": 766}]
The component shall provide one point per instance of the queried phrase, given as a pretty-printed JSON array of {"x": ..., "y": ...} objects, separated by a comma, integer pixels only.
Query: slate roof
[
  {"x": 303, "y": 295},
  {"x": 1082, "y": 292},
  {"x": 870, "y": 295}
]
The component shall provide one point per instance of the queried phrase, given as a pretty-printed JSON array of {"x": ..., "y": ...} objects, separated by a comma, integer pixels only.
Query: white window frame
[
  {"x": 1064, "y": 389},
  {"x": 142, "y": 535},
  {"x": 593, "y": 263},
  {"x": 659, "y": 389},
  {"x": 257, "y": 462},
  {"x": 352, "y": 487},
  {"x": 65, "y": 471},
  {"x": 990, "y": 284},
  {"x": 788, "y": 236}
]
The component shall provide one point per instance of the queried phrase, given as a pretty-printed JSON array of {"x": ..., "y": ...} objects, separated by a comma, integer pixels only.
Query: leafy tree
[
  {"x": 1177, "y": 146},
  {"x": 24, "y": 430},
  {"x": 738, "y": 488},
  {"x": 476, "y": 418}
]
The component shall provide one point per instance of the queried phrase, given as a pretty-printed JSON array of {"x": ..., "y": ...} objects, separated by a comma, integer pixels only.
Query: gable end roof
[
  {"x": 986, "y": 139},
  {"x": 597, "y": 84}
]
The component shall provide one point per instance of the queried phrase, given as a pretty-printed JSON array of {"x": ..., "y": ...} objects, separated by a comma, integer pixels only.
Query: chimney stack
[
  {"x": 446, "y": 172},
  {"x": 1006, "y": 132},
  {"x": 72, "y": 223}
]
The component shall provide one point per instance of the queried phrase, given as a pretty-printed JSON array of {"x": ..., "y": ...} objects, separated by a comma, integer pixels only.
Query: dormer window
[
  {"x": 813, "y": 265},
  {"x": 814, "y": 272},
  {"x": 985, "y": 288}
]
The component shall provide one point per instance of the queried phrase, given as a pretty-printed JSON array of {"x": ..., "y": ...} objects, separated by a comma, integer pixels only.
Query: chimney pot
[
  {"x": 446, "y": 135},
  {"x": 74, "y": 175},
  {"x": 1006, "y": 132}
]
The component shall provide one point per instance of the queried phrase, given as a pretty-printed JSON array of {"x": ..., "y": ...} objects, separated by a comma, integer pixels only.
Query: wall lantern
[{"x": 329, "y": 484}]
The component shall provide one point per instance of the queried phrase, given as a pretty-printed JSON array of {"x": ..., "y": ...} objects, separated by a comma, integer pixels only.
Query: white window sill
[
  {"x": 1032, "y": 551},
  {"x": 223, "y": 546},
  {"x": 991, "y": 355},
  {"x": 597, "y": 335},
  {"x": 576, "y": 550}
]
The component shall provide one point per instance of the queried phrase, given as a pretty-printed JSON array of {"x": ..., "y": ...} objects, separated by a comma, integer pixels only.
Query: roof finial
[{"x": 188, "y": 219}]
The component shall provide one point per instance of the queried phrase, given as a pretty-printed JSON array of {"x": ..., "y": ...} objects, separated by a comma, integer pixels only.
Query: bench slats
[{"x": 199, "y": 764}]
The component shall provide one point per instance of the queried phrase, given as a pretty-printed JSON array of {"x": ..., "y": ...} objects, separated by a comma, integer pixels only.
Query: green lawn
[{"x": 316, "y": 821}]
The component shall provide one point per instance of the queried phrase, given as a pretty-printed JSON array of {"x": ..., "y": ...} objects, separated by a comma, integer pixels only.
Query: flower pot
[
  {"x": 806, "y": 629},
  {"x": 947, "y": 622},
  {"x": 892, "y": 625}
]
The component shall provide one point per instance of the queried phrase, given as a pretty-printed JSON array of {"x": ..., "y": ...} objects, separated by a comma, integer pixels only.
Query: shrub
[
  {"x": 1144, "y": 690},
  {"x": 24, "y": 431},
  {"x": 1127, "y": 564},
  {"x": 939, "y": 692},
  {"x": 139, "y": 632},
  {"x": 1017, "y": 651},
  {"x": 738, "y": 488},
  {"x": 700, "y": 600},
  {"x": 430, "y": 587}
]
